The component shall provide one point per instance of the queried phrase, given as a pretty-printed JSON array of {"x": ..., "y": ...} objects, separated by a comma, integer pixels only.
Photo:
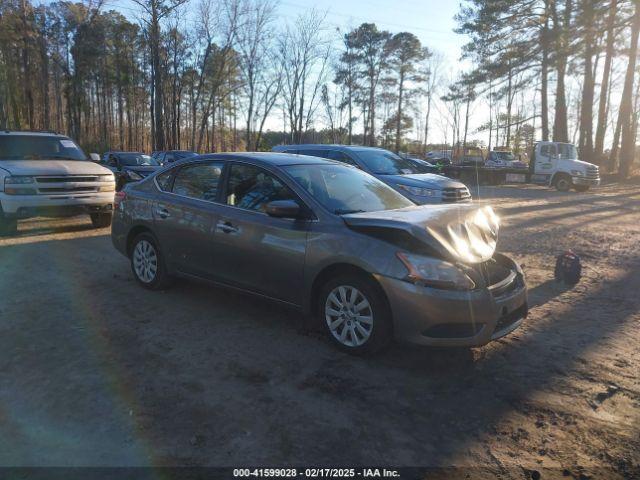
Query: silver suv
[{"x": 47, "y": 174}]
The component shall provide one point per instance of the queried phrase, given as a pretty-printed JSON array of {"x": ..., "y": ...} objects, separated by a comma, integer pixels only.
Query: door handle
[
  {"x": 162, "y": 212},
  {"x": 227, "y": 227}
]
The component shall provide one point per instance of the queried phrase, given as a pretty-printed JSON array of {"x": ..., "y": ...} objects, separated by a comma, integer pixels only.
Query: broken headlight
[{"x": 431, "y": 272}]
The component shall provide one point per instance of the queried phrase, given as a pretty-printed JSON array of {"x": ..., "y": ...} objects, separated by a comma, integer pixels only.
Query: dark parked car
[
  {"x": 328, "y": 239},
  {"x": 170, "y": 156},
  {"x": 401, "y": 174},
  {"x": 129, "y": 166}
]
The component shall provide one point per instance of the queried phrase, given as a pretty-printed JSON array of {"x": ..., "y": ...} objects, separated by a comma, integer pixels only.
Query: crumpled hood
[
  {"x": 424, "y": 180},
  {"x": 462, "y": 233},
  {"x": 53, "y": 167}
]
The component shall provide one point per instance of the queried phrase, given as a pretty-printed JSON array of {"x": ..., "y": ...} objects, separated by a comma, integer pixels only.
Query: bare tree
[
  {"x": 254, "y": 44},
  {"x": 304, "y": 53},
  {"x": 155, "y": 11},
  {"x": 433, "y": 74}
]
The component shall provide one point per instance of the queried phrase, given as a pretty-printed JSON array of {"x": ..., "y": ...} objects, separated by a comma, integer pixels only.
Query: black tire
[
  {"x": 101, "y": 220},
  {"x": 581, "y": 188},
  {"x": 381, "y": 330},
  {"x": 8, "y": 226},
  {"x": 563, "y": 182},
  {"x": 160, "y": 279}
]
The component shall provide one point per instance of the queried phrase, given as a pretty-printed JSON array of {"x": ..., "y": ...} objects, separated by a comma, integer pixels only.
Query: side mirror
[
  {"x": 283, "y": 209},
  {"x": 94, "y": 157}
]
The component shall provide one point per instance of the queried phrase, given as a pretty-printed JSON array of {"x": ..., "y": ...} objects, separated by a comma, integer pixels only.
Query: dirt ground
[{"x": 97, "y": 371}]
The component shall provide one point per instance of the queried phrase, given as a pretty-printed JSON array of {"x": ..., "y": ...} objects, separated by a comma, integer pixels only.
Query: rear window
[{"x": 39, "y": 147}]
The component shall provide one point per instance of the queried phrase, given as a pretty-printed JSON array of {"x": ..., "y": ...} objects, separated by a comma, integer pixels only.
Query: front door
[
  {"x": 253, "y": 250},
  {"x": 185, "y": 217},
  {"x": 545, "y": 163}
]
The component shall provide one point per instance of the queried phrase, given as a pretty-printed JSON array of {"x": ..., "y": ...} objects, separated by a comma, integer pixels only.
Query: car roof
[
  {"x": 34, "y": 133},
  {"x": 271, "y": 158},
  {"x": 122, "y": 151},
  {"x": 324, "y": 146}
]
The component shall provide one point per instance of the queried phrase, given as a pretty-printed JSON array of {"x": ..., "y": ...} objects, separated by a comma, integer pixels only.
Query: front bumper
[
  {"x": 27, "y": 206},
  {"x": 448, "y": 318},
  {"x": 591, "y": 182}
]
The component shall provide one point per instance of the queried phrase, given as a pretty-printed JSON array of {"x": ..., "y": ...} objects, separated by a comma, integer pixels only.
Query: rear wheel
[
  {"x": 355, "y": 314},
  {"x": 147, "y": 263},
  {"x": 563, "y": 182},
  {"x": 581, "y": 188},
  {"x": 101, "y": 220},
  {"x": 8, "y": 226}
]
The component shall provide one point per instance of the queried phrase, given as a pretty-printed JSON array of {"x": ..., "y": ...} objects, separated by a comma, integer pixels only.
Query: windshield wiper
[{"x": 345, "y": 211}]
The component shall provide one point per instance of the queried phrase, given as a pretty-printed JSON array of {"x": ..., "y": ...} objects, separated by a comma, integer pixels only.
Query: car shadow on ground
[{"x": 39, "y": 227}]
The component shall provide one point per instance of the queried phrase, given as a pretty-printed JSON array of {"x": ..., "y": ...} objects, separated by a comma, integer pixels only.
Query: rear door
[
  {"x": 185, "y": 215},
  {"x": 253, "y": 250}
]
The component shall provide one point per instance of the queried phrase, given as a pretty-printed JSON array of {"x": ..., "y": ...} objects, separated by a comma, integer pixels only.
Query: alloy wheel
[
  {"x": 349, "y": 316},
  {"x": 145, "y": 261}
]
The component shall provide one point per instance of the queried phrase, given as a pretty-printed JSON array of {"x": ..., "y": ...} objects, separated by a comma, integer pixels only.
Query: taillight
[{"x": 119, "y": 198}]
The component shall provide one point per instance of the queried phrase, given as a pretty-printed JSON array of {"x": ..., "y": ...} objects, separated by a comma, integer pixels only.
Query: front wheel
[
  {"x": 563, "y": 183},
  {"x": 355, "y": 314},
  {"x": 581, "y": 188},
  {"x": 147, "y": 263},
  {"x": 101, "y": 220}
]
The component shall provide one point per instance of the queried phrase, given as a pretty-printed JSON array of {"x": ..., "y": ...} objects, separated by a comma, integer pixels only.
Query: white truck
[
  {"x": 47, "y": 174},
  {"x": 556, "y": 165}
]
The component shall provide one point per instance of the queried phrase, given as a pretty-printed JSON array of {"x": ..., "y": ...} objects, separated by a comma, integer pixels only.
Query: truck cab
[{"x": 556, "y": 164}]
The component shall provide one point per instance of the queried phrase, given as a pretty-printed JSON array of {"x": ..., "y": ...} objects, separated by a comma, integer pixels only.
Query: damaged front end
[
  {"x": 451, "y": 287},
  {"x": 460, "y": 233}
]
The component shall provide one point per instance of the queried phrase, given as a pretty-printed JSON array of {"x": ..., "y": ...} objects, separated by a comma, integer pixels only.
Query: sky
[{"x": 432, "y": 21}]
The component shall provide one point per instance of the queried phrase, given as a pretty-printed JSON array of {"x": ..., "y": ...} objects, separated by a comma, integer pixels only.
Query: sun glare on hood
[{"x": 472, "y": 238}]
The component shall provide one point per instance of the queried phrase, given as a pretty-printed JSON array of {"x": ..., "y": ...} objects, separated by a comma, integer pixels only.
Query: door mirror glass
[{"x": 283, "y": 209}]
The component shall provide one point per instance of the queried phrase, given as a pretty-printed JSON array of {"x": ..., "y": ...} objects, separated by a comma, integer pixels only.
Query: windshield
[
  {"x": 39, "y": 147},
  {"x": 567, "y": 151},
  {"x": 506, "y": 156},
  {"x": 383, "y": 162},
  {"x": 136, "y": 159},
  {"x": 343, "y": 190}
]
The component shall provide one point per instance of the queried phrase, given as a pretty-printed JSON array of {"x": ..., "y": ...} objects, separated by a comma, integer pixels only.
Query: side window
[
  {"x": 168, "y": 158},
  {"x": 548, "y": 150},
  {"x": 164, "y": 181},
  {"x": 252, "y": 188},
  {"x": 198, "y": 180},
  {"x": 341, "y": 157}
]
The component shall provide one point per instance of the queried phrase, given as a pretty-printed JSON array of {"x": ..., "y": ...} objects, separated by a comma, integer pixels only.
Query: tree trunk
[
  {"x": 586, "y": 112},
  {"x": 605, "y": 84},
  {"x": 158, "y": 143},
  {"x": 399, "y": 116},
  {"x": 560, "y": 125},
  {"x": 426, "y": 123},
  {"x": 544, "y": 75},
  {"x": 627, "y": 147}
]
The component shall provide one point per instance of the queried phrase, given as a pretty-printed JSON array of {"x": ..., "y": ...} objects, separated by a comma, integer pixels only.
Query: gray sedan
[{"x": 326, "y": 238}]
